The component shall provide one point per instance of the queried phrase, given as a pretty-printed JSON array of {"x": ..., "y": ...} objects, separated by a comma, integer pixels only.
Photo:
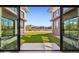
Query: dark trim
[
  {"x": 61, "y": 30},
  {"x": 39, "y": 5},
  {"x": 53, "y": 26},
  {"x": 18, "y": 28},
  {"x": 78, "y": 25},
  {"x": 13, "y": 27},
  {"x": 61, "y": 27}
]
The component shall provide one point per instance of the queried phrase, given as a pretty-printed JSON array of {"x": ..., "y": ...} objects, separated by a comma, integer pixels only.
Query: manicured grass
[{"x": 39, "y": 37}]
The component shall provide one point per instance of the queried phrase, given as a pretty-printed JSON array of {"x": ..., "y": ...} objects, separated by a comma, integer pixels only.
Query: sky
[{"x": 38, "y": 16}]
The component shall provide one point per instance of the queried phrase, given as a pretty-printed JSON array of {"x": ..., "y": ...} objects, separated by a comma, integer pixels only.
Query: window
[
  {"x": 59, "y": 12},
  {"x": 21, "y": 24},
  {"x": 21, "y": 13},
  {"x": 70, "y": 28},
  {"x": 57, "y": 24},
  {"x": 56, "y": 13},
  {"x": 66, "y": 27},
  {"x": 7, "y": 27},
  {"x": 73, "y": 27}
]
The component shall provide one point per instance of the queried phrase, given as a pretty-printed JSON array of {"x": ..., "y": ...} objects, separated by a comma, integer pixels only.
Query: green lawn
[{"x": 39, "y": 37}]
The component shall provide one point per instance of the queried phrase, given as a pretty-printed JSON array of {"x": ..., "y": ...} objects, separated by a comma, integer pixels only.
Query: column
[
  {"x": 0, "y": 25},
  {"x": 78, "y": 25}
]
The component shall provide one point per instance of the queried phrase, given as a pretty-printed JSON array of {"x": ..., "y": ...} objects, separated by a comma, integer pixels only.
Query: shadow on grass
[{"x": 38, "y": 38}]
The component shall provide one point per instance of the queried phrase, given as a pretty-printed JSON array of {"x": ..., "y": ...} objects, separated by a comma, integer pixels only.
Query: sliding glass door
[
  {"x": 8, "y": 29},
  {"x": 8, "y": 34},
  {"x": 71, "y": 28},
  {"x": 74, "y": 28},
  {"x": 66, "y": 28}
]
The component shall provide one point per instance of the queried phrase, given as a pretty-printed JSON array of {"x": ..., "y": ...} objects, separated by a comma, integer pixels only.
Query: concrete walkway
[{"x": 40, "y": 46}]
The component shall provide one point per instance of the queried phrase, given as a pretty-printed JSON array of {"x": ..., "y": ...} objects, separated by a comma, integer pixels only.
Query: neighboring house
[
  {"x": 23, "y": 19},
  {"x": 70, "y": 18},
  {"x": 55, "y": 11},
  {"x": 8, "y": 28}
]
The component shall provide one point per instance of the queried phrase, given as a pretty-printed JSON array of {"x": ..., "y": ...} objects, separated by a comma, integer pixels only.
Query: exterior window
[
  {"x": 66, "y": 27},
  {"x": 73, "y": 27},
  {"x": 22, "y": 24},
  {"x": 22, "y": 14},
  {"x": 56, "y": 13},
  {"x": 70, "y": 28},
  {"x": 59, "y": 12},
  {"x": 57, "y": 25},
  {"x": 7, "y": 27}
]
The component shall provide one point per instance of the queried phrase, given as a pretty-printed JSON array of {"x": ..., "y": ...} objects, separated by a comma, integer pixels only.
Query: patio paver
[
  {"x": 40, "y": 46},
  {"x": 32, "y": 46}
]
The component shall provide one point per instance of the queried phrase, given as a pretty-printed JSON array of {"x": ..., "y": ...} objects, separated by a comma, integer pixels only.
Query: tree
[{"x": 28, "y": 27}]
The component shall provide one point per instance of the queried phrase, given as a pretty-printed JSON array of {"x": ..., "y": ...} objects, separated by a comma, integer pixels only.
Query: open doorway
[{"x": 40, "y": 28}]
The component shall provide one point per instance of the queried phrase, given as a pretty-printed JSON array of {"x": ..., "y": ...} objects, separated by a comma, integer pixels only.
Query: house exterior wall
[
  {"x": 23, "y": 20},
  {"x": 55, "y": 20},
  {"x": 21, "y": 27},
  {"x": 57, "y": 27}
]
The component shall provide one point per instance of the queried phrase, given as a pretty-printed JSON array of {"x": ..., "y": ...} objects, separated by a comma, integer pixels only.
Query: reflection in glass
[
  {"x": 70, "y": 28},
  {"x": 7, "y": 27},
  {"x": 66, "y": 27}
]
